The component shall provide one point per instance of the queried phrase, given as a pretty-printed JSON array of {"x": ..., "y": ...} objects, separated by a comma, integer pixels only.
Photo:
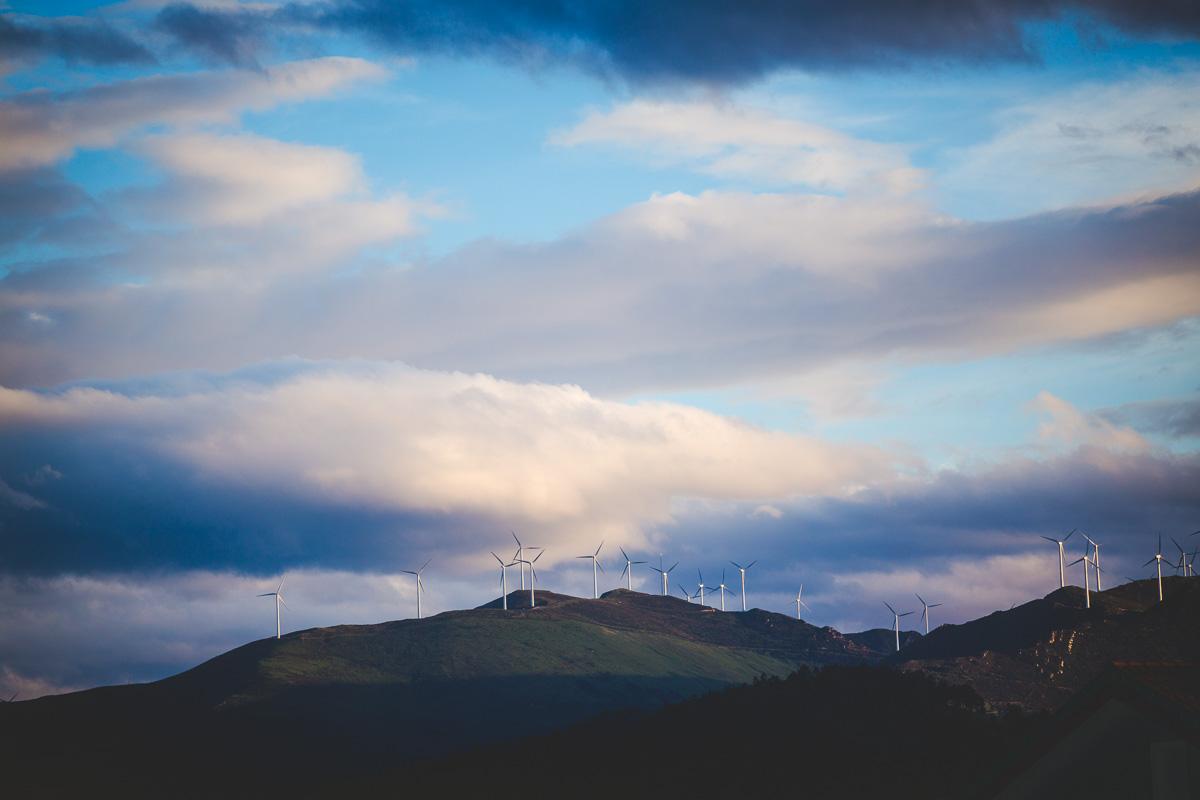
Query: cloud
[
  {"x": 41, "y": 128},
  {"x": 1087, "y": 144},
  {"x": 1069, "y": 426},
  {"x": 412, "y": 452},
  {"x": 729, "y": 141},
  {"x": 1169, "y": 417},
  {"x": 242, "y": 179},
  {"x": 677, "y": 291},
  {"x": 72, "y": 39},
  {"x": 672, "y": 41}
]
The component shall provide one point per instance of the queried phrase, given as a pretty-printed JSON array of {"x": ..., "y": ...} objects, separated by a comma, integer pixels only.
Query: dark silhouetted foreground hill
[{"x": 846, "y": 732}]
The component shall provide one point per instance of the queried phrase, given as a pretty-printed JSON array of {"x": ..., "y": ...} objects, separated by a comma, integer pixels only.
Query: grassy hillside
[{"x": 353, "y": 697}]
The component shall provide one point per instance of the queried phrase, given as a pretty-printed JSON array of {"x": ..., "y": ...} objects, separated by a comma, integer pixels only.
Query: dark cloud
[
  {"x": 75, "y": 40},
  {"x": 708, "y": 40},
  {"x": 224, "y": 37},
  {"x": 41, "y": 206},
  {"x": 1178, "y": 418}
]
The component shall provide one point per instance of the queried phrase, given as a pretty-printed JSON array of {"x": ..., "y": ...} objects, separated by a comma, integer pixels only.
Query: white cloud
[
  {"x": 41, "y": 128},
  {"x": 551, "y": 459},
  {"x": 730, "y": 141},
  {"x": 244, "y": 179},
  {"x": 1067, "y": 426},
  {"x": 1093, "y": 143}
]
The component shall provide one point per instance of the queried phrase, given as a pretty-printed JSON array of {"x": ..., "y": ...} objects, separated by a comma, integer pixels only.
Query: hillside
[
  {"x": 398, "y": 691},
  {"x": 848, "y": 732},
  {"x": 1037, "y": 655},
  {"x": 882, "y": 641}
]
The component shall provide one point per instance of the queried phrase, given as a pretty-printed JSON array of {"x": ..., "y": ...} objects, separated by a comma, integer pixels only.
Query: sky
[{"x": 875, "y": 295}]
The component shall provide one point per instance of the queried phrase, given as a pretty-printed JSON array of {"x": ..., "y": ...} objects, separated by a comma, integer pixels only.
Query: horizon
[{"x": 878, "y": 299}]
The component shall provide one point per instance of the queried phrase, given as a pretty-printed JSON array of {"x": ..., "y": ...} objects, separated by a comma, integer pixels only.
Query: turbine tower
[
  {"x": 1087, "y": 586},
  {"x": 723, "y": 589},
  {"x": 1095, "y": 557},
  {"x": 519, "y": 557},
  {"x": 701, "y": 592},
  {"x": 896, "y": 623},
  {"x": 925, "y": 611},
  {"x": 742, "y": 570},
  {"x": 627, "y": 573},
  {"x": 277, "y": 594},
  {"x": 1158, "y": 561},
  {"x": 663, "y": 573},
  {"x": 1062, "y": 557},
  {"x": 1184, "y": 563},
  {"x": 420, "y": 584},
  {"x": 533, "y": 579},
  {"x": 503, "y": 579},
  {"x": 595, "y": 565},
  {"x": 800, "y": 601}
]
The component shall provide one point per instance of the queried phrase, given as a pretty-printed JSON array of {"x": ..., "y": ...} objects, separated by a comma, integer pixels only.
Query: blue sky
[{"x": 878, "y": 302}]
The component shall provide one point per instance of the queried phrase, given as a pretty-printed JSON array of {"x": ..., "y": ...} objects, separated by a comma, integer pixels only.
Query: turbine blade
[
  {"x": 889, "y": 608},
  {"x": 497, "y": 557},
  {"x": 751, "y": 564},
  {"x": 514, "y": 535},
  {"x": 625, "y": 570},
  {"x": 423, "y": 566},
  {"x": 279, "y": 588},
  {"x": 1048, "y": 539},
  {"x": 599, "y": 548},
  {"x": 1148, "y": 563},
  {"x": 1069, "y": 535},
  {"x": 906, "y": 613},
  {"x": 935, "y": 605},
  {"x": 736, "y": 564},
  {"x": 623, "y": 553},
  {"x": 673, "y": 566},
  {"x": 535, "y": 558},
  {"x": 919, "y": 598},
  {"x": 268, "y": 594},
  {"x": 600, "y": 566}
]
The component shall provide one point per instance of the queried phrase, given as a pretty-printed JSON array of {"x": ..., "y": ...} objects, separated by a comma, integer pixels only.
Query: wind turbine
[
  {"x": 420, "y": 584},
  {"x": 519, "y": 557},
  {"x": 1062, "y": 557},
  {"x": 503, "y": 579},
  {"x": 1184, "y": 564},
  {"x": 800, "y": 601},
  {"x": 701, "y": 593},
  {"x": 1095, "y": 557},
  {"x": 278, "y": 600},
  {"x": 925, "y": 611},
  {"x": 896, "y": 623},
  {"x": 627, "y": 573},
  {"x": 533, "y": 579},
  {"x": 595, "y": 564},
  {"x": 663, "y": 573},
  {"x": 742, "y": 570},
  {"x": 1087, "y": 586},
  {"x": 685, "y": 594},
  {"x": 1158, "y": 561},
  {"x": 723, "y": 589},
  {"x": 11, "y": 699}
]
